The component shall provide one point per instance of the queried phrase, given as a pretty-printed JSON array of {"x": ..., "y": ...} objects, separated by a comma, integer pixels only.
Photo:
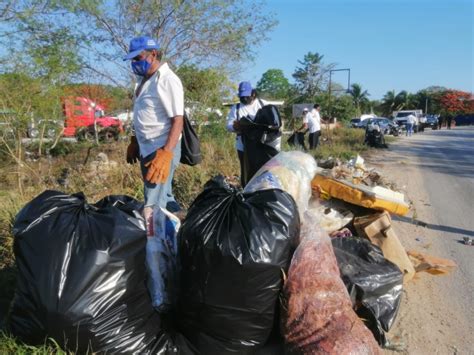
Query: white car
[{"x": 125, "y": 117}]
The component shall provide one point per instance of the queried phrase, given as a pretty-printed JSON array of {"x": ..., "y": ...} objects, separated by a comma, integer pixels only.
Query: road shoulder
[{"x": 428, "y": 321}]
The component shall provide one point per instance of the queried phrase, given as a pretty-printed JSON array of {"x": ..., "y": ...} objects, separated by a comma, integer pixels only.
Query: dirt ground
[{"x": 430, "y": 321}]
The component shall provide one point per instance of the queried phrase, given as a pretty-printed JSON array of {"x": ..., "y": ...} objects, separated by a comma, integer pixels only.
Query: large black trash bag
[
  {"x": 256, "y": 154},
  {"x": 81, "y": 276},
  {"x": 374, "y": 283},
  {"x": 234, "y": 248}
]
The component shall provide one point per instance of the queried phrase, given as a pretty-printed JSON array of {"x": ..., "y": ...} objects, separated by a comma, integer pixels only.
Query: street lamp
[{"x": 348, "y": 86}]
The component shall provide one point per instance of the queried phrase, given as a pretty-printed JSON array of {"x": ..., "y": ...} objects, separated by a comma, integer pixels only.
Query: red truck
[{"x": 83, "y": 116}]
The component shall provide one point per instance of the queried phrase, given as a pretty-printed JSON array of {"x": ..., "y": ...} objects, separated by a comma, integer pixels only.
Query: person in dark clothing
[
  {"x": 449, "y": 120},
  {"x": 255, "y": 146},
  {"x": 440, "y": 121},
  {"x": 301, "y": 131}
]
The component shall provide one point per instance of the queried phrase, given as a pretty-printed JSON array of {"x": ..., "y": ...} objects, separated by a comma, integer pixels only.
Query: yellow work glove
[
  {"x": 159, "y": 168},
  {"x": 133, "y": 151}
]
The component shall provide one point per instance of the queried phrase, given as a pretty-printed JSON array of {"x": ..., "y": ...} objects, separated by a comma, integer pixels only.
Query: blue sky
[{"x": 387, "y": 44}]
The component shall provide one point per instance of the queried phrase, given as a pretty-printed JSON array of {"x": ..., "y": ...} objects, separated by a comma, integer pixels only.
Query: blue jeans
[
  {"x": 161, "y": 194},
  {"x": 409, "y": 127}
]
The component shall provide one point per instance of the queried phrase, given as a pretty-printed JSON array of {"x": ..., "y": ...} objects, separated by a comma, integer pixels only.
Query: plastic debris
[
  {"x": 332, "y": 220},
  {"x": 468, "y": 241},
  {"x": 357, "y": 162},
  {"x": 343, "y": 233},
  {"x": 317, "y": 314},
  {"x": 289, "y": 171},
  {"x": 161, "y": 260},
  {"x": 377, "y": 198},
  {"x": 373, "y": 282}
]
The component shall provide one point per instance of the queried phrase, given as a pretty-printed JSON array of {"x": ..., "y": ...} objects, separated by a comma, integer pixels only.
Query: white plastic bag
[
  {"x": 161, "y": 259},
  {"x": 289, "y": 171}
]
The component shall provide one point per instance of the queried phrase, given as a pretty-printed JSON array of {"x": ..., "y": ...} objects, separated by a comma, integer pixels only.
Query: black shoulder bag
[{"x": 190, "y": 146}]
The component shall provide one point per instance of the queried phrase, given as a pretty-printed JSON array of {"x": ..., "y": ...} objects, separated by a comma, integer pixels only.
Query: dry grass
[{"x": 80, "y": 170}]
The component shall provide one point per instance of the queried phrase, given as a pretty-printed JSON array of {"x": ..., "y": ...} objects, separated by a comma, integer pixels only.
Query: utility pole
[{"x": 329, "y": 90}]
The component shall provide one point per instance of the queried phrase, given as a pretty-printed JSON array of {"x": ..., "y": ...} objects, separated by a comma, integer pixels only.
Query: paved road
[{"x": 446, "y": 162}]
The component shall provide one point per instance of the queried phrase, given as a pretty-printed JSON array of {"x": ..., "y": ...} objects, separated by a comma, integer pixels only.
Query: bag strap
[{"x": 237, "y": 108}]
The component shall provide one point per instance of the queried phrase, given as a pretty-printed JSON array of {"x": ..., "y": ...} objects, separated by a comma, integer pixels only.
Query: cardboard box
[{"x": 378, "y": 229}]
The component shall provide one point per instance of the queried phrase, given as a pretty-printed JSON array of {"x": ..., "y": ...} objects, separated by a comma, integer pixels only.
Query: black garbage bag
[
  {"x": 234, "y": 248},
  {"x": 260, "y": 138},
  {"x": 256, "y": 154},
  {"x": 297, "y": 140},
  {"x": 81, "y": 276},
  {"x": 373, "y": 282}
]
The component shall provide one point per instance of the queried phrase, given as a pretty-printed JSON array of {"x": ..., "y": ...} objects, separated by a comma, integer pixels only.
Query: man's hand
[
  {"x": 133, "y": 151},
  {"x": 159, "y": 168},
  {"x": 236, "y": 125}
]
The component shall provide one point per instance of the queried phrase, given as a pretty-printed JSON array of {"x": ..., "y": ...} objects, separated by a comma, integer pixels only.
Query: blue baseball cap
[
  {"x": 245, "y": 89},
  {"x": 139, "y": 44}
]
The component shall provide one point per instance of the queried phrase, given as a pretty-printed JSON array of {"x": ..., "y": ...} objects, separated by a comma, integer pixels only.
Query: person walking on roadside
[
  {"x": 416, "y": 125},
  {"x": 411, "y": 119},
  {"x": 158, "y": 109},
  {"x": 314, "y": 126},
  {"x": 252, "y": 154},
  {"x": 449, "y": 120},
  {"x": 422, "y": 120},
  {"x": 301, "y": 131},
  {"x": 440, "y": 121}
]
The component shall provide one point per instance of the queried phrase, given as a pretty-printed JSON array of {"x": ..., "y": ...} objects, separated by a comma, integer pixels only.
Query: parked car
[
  {"x": 431, "y": 122},
  {"x": 400, "y": 117},
  {"x": 354, "y": 122},
  {"x": 381, "y": 121},
  {"x": 387, "y": 126},
  {"x": 362, "y": 124}
]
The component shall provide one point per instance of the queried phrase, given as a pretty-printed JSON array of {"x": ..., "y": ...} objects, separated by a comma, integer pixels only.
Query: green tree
[
  {"x": 312, "y": 75},
  {"x": 375, "y": 107},
  {"x": 204, "y": 90},
  {"x": 26, "y": 98},
  {"x": 219, "y": 33},
  {"x": 53, "y": 57},
  {"x": 360, "y": 97},
  {"x": 340, "y": 106},
  {"x": 429, "y": 99},
  {"x": 393, "y": 102},
  {"x": 273, "y": 84}
]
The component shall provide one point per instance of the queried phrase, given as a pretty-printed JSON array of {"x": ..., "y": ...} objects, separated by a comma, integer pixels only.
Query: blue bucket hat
[
  {"x": 139, "y": 44},
  {"x": 245, "y": 89}
]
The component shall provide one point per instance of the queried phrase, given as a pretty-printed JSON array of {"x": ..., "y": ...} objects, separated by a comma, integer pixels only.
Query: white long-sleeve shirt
[{"x": 244, "y": 111}]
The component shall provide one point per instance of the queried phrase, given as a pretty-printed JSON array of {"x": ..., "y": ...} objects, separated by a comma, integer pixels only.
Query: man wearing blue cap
[
  {"x": 158, "y": 111},
  {"x": 246, "y": 111}
]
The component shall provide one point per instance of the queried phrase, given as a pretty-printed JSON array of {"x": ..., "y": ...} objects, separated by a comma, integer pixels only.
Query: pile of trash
[
  {"x": 354, "y": 183},
  {"x": 356, "y": 172},
  {"x": 300, "y": 261},
  {"x": 353, "y": 203}
]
